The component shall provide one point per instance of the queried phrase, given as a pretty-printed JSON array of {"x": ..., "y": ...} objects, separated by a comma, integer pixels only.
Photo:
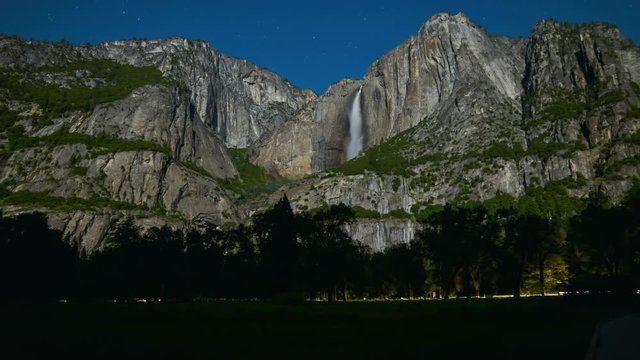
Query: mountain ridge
[{"x": 451, "y": 114}]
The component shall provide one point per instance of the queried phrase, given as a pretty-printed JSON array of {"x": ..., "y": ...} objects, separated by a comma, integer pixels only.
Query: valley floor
[{"x": 551, "y": 327}]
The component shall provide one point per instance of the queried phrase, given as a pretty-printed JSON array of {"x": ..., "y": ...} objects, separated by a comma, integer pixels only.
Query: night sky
[{"x": 311, "y": 43}]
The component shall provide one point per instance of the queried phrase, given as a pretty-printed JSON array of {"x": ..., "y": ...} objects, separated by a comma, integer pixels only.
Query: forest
[{"x": 471, "y": 250}]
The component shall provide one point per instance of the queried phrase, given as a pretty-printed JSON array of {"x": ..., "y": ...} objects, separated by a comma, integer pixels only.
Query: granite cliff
[
  {"x": 455, "y": 114},
  {"x": 451, "y": 115},
  {"x": 158, "y": 152}
]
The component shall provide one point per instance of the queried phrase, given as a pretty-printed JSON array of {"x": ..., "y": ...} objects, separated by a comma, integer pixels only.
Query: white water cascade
[{"x": 355, "y": 128}]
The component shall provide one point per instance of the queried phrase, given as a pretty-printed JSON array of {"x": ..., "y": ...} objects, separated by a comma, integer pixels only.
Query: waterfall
[{"x": 355, "y": 128}]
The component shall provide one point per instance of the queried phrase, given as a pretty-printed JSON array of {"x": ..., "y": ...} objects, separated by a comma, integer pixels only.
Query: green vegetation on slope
[
  {"x": 398, "y": 214},
  {"x": 544, "y": 149},
  {"x": 107, "y": 144},
  {"x": 632, "y": 138},
  {"x": 568, "y": 104},
  {"x": 504, "y": 151},
  {"x": 610, "y": 170},
  {"x": 43, "y": 199},
  {"x": 119, "y": 80},
  {"x": 550, "y": 200},
  {"x": 386, "y": 158},
  {"x": 397, "y": 156},
  {"x": 195, "y": 167},
  {"x": 252, "y": 179},
  {"x": 361, "y": 213},
  {"x": 537, "y": 147},
  {"x": 7, "y": 118}
]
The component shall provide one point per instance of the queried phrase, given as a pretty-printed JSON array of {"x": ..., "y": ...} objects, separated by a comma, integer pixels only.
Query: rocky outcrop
[
  {"x": 449, "y": 71},
  {"x": 452, "y": 114},
  {"x": 149, "y": 154},
  {"x": 465, "y": 90},
  {"x": 380, "y": 234},
  {"x": 590, "y": 72},
  {"x": 89, "y": 228},
  {"x": 152, "y": 181},
  {"x": 160, "y": 181},
  {"x": 187, "y": 201},
  {"x": 211, "y": 100},
  {"x": 452, "y": 74},
  {"x": 238, "y": 100},
  {"x": 475, "y": 115},
  {"x": 372, "y": 192},
  {"x": 162, "y": 115},
  {"x": 315, "y": 139},
  {"x": 575, "y": 57}
]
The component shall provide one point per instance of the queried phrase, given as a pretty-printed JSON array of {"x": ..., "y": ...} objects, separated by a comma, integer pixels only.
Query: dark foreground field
[{"x": 491, "y": 328}]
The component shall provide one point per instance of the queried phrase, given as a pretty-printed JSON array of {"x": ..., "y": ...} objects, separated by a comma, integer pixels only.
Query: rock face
[
  {"x": 179, "y": 128},
  {"x": 593, "y": 71},
  {"x": 162, "y": 182},
  {"x": 563, "y": 104},
  {"x": 451, "y": 73},
  {"x": 452, "y": 114},
  {"x": 237, "y": 99},
  {"x": 158, "y": 181},
  {"x": 315, "y": 139},
  {"x": 379, "y": 235},
  {"x": 89, "y": 228},
  {"x": 441, "y": 74}
]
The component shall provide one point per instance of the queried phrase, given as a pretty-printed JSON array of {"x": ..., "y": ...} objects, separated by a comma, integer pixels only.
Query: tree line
[{"x": 465, "y": 251}]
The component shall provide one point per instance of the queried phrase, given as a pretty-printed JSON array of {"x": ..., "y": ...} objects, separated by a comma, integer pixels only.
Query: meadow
[{"x": 550, "y": 327}]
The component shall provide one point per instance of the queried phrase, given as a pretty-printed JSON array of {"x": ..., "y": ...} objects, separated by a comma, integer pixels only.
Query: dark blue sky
[{"x": 311, "y": 43}]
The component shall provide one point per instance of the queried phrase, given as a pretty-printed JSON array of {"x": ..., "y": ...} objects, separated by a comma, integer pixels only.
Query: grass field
[{"x": 491, "y": 328}]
